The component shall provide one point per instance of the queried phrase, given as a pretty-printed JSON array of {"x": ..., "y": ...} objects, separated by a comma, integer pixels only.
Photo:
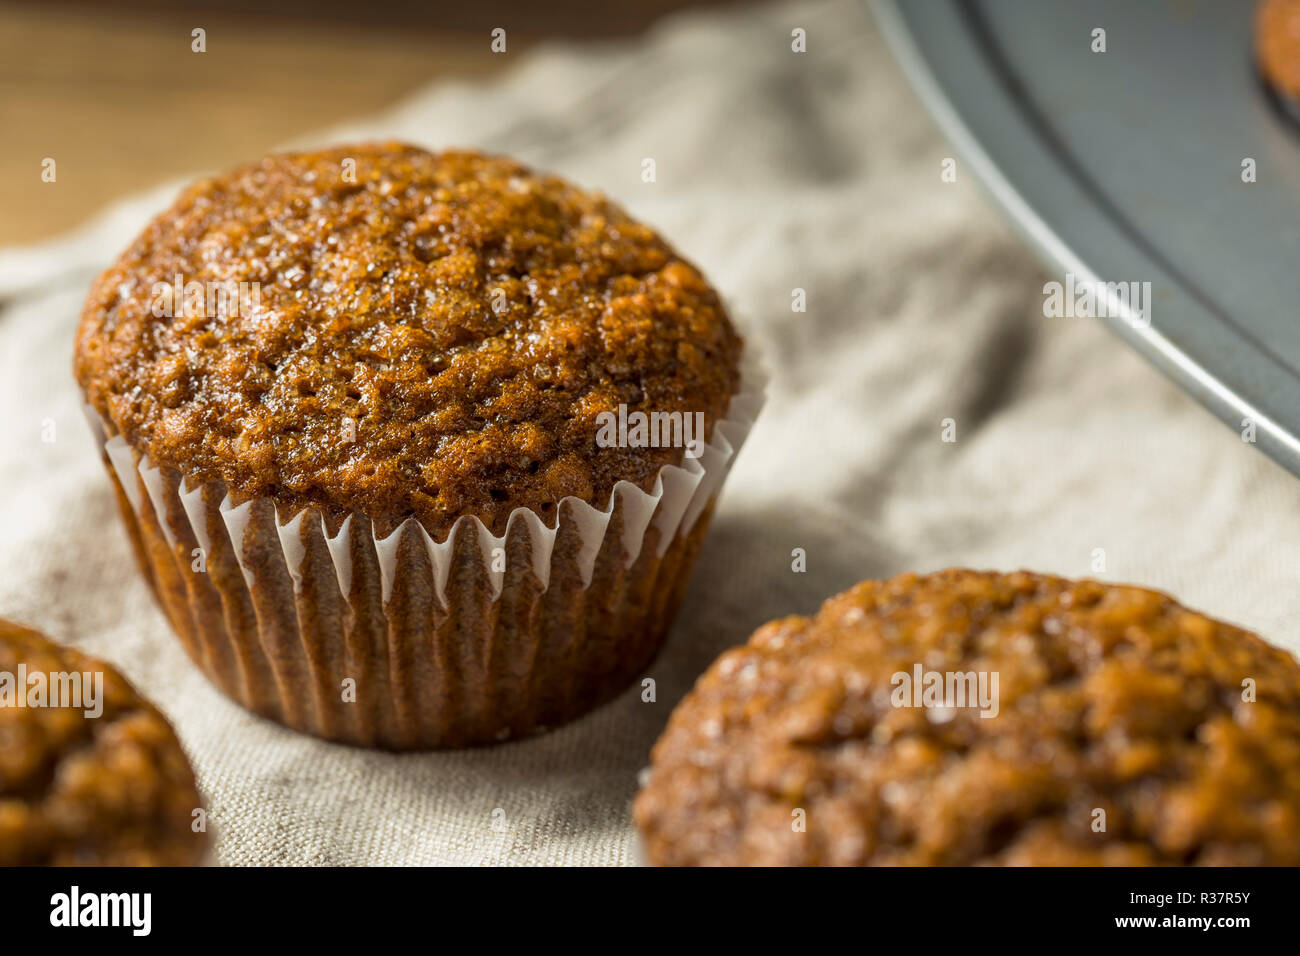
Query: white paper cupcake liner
[{"x": 444, "y": 643}]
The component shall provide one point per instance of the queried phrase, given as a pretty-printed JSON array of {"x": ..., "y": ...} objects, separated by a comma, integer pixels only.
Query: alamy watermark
[
  {"x": 77, "y": 690},
  {"x": 945, "y": 691},
  {"x": 133, "y": 911},
  {"x": 624, "y": 429},
  {"x": 1093, "y": 299},
  {"x": 197, "y": 300}
]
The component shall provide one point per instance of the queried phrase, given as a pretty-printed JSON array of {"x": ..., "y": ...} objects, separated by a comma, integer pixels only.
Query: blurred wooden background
[{"x": 112, "y": 92}]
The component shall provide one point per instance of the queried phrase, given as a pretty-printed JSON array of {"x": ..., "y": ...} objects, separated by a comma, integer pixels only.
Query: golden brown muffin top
[
  {"x": 1109, "y": 698},
  {"x": 112, "y": 789},
  {"x": 433, "y": 334}
]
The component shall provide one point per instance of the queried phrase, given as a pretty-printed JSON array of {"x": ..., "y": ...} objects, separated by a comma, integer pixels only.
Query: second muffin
[
  {"x": 977, "y": 718},
  {"x": 357, "y": 405}
]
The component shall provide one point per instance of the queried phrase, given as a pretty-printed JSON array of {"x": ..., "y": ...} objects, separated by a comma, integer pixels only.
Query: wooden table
[
  {"x": 115, "y": 95},
  {"x": 118, "y": 99}
]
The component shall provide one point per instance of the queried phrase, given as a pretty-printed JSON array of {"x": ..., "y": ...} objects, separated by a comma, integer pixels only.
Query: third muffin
[
  {"x": 416, "y": 449},
  {"x": 982, "y": 718},
  {"x": 91, "y": 774}
]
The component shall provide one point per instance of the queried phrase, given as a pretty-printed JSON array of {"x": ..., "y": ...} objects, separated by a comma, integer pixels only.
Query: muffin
[
  {"x": 1277, "y": 51},
  {"x": 377, "y": 418},
  {"x": 90, "y": 773},
  {"x": 1121, "y": 728}
]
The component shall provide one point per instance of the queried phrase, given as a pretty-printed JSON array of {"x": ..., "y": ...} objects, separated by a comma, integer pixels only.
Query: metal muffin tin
[{"x": 1127, "y": 166}]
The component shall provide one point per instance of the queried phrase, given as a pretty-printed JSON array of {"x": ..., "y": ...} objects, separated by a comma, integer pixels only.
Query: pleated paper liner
[{"x": 403, "y": 642}]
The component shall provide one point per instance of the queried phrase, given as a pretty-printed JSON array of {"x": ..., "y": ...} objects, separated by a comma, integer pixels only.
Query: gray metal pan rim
[{"x": 982, "y": 69}]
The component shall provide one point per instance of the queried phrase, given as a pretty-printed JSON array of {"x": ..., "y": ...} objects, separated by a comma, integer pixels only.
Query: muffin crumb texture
[
  {"x": 1116, "y": 705},
  {"x": 431, "y": 335},
  {"x": 112, "y": 790}
]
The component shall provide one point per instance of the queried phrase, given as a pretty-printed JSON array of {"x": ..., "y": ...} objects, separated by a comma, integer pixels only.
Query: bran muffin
[
  {"x": 110, "y": 787},
  {"x": 1124, "y": 730},
  {"x": 424, "y": 543}
]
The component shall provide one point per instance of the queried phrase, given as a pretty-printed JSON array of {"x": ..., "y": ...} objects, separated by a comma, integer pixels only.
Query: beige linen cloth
[{"x": 776, "y": 171}]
